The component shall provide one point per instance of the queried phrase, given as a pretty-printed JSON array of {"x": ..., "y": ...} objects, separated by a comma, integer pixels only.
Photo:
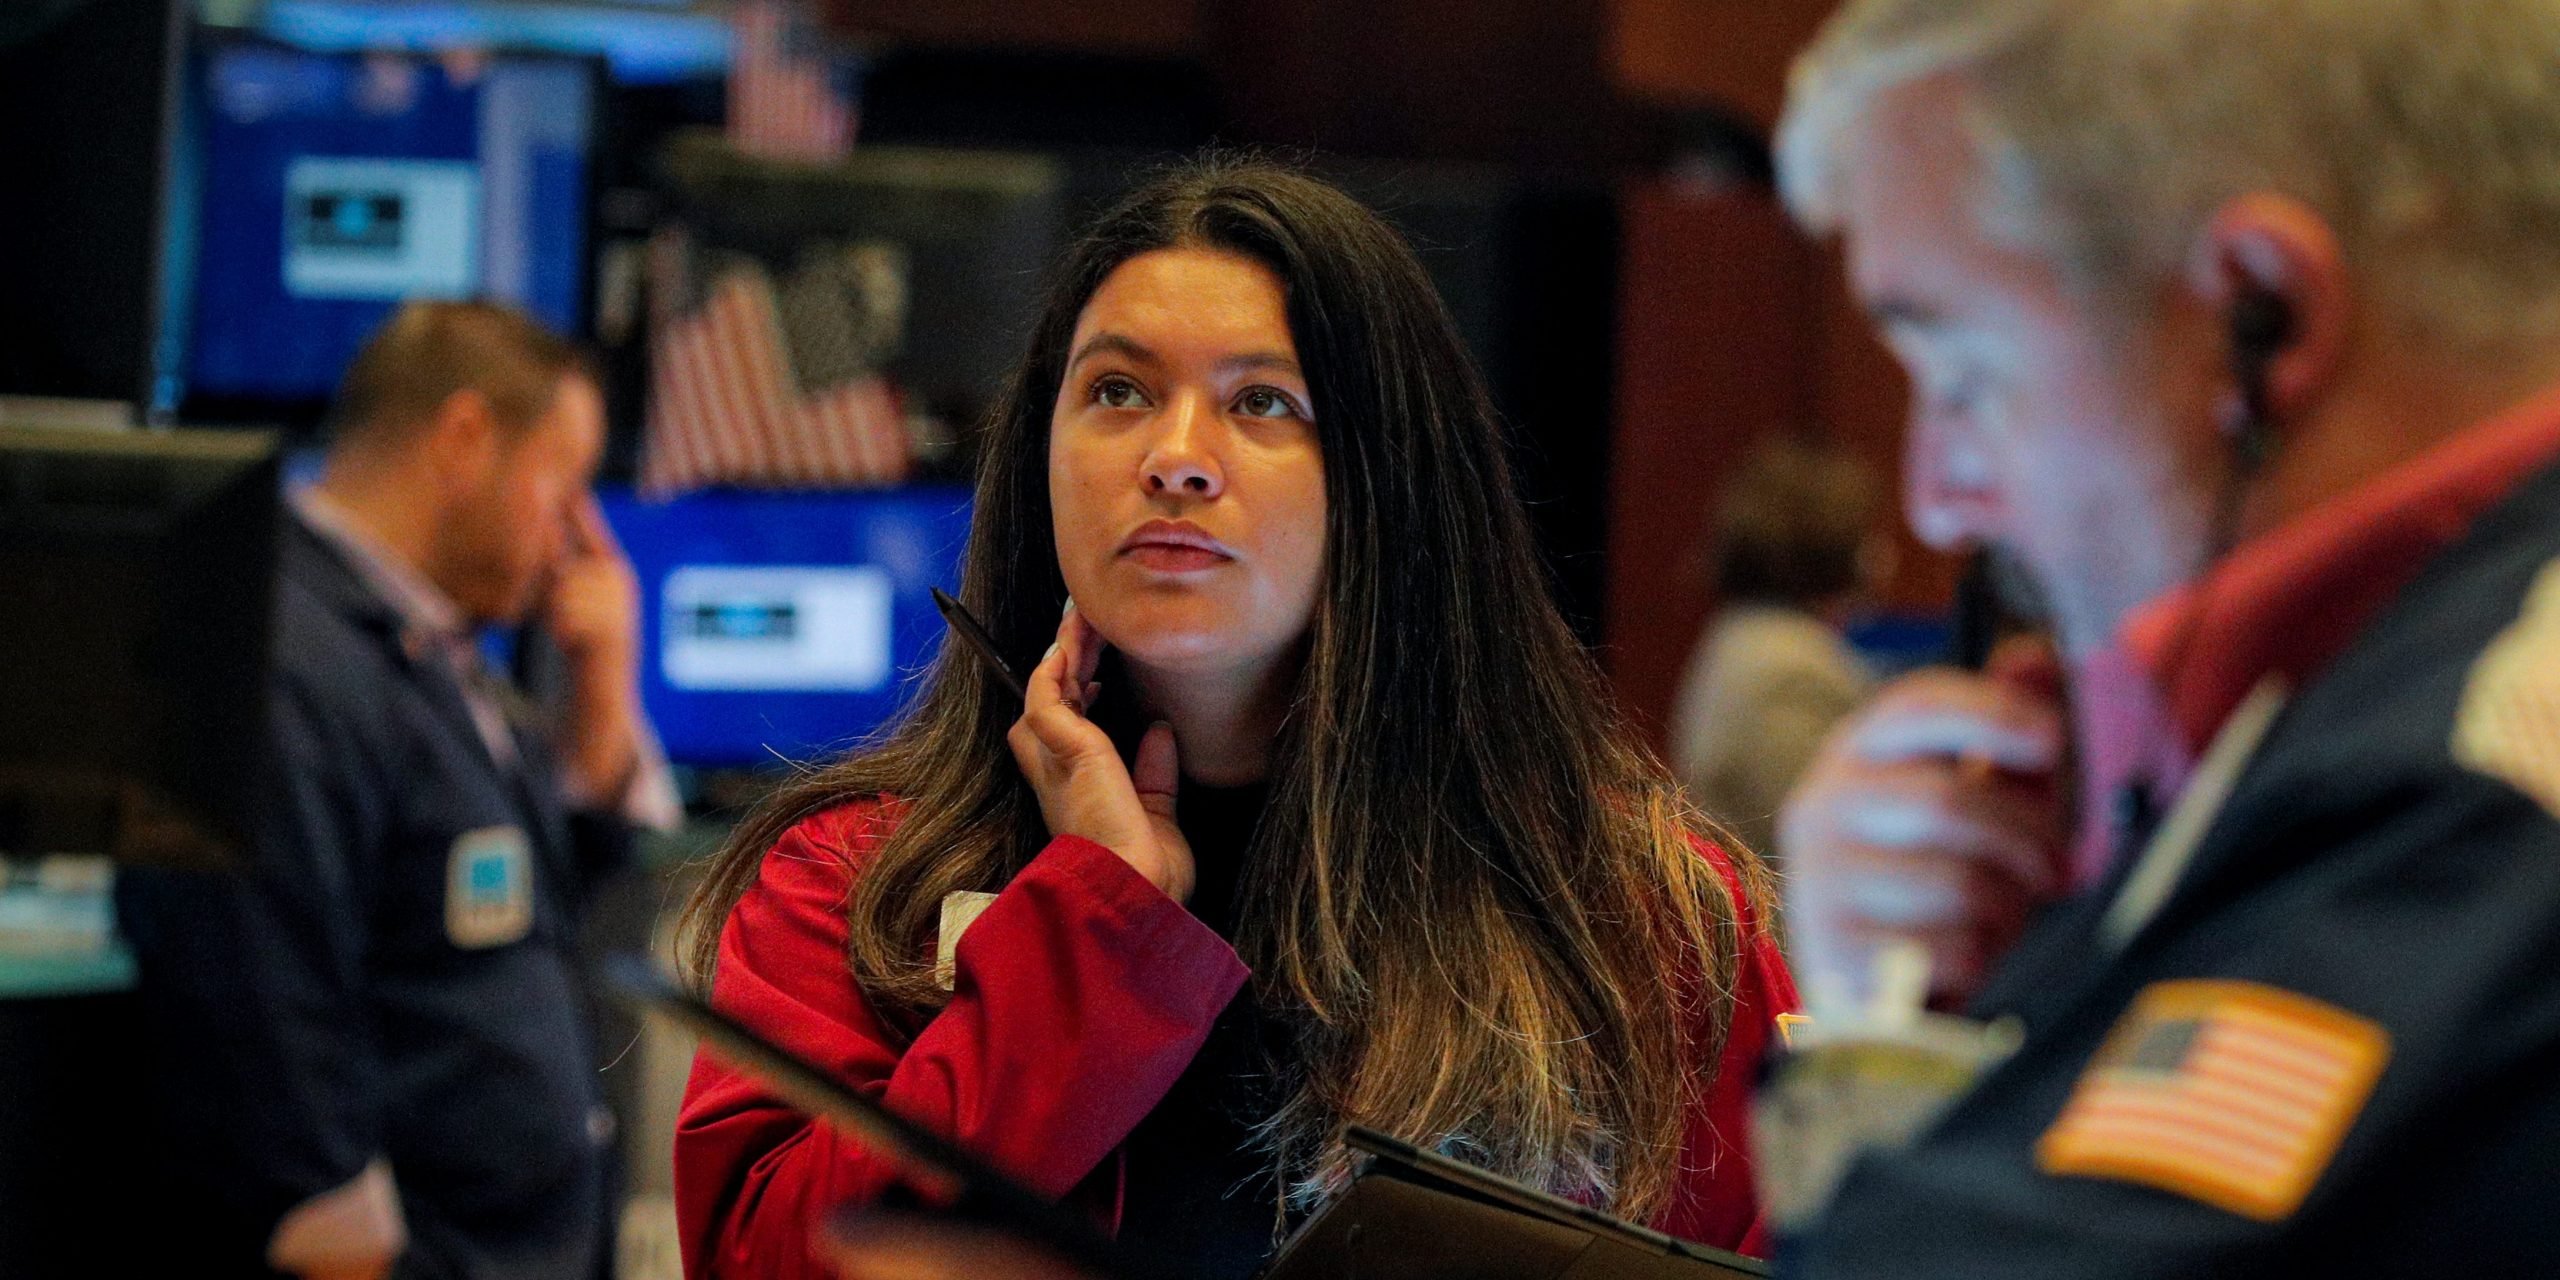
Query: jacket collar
[
  {"x": 2285, "y": 604},
  {"x": 393, "y": 580},
  {"x": 2289, "y": 602},
  {"x": 2362, "y": 745},
  {"x": 311, "y": 563}
]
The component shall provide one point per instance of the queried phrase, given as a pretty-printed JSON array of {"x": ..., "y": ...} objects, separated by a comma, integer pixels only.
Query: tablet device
[
  {"x": 1411, "y": 1214},
  {"x": 955, "y": 1181},
  {"x": 1408, "y": 1214}
]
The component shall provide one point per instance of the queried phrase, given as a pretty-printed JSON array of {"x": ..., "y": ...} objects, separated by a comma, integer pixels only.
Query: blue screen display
[
  {"x": 332, "y": 187},
  {"x": 782, "y": 624}
]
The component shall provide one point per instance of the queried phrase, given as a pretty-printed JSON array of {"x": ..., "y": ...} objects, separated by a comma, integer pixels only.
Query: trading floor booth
[{"x": 133, "y": 652}]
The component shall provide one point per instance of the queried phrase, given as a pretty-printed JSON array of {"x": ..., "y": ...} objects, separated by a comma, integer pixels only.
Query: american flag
[
  {"x": 2231, "y": 1093},
  {"x": 726, "y": 407},
  {"x": 786, "y": 102}
]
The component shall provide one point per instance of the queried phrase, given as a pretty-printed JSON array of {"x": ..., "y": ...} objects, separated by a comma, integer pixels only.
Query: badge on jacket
[
  {"x": 488, "y": 893},
  {"x": 959, "y": 910}
]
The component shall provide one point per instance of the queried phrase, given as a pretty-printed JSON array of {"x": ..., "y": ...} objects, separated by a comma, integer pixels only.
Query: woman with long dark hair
[{"x": 1315, "y": 812}]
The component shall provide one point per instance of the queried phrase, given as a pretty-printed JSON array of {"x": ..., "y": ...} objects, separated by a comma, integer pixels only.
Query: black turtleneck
[{"x": 1201, "y": 1198}]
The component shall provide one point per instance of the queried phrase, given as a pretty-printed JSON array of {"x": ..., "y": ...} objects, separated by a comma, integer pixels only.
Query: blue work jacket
[{"x": 392, "y": 976}]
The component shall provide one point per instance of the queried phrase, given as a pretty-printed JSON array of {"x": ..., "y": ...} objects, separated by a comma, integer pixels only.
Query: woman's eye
[
  {"x": 1263, "y": 402},
  {"x": 1118, "y": 393}
]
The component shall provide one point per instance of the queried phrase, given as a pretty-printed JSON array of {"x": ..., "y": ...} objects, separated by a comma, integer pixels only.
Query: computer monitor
[
  {"x": 133, "y": 640},
  {"x": 977, "y": 232},
  {"x": 786, "y": 626},
  {"x": 331, "y": 187},
  {"x": 86, "y": 90}
]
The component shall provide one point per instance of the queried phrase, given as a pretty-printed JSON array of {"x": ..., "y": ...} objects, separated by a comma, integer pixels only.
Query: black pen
[{"x": 967, "y": 628}]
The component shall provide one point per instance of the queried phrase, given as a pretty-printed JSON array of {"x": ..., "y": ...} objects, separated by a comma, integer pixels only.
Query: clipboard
[{"x": 1411, "y": 1214}]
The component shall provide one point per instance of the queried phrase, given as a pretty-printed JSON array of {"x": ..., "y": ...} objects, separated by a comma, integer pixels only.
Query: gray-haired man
[{"x": 2237, "y": 323}]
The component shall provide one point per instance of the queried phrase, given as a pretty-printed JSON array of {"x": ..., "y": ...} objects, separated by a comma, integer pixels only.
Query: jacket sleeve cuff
[{"x": 1162, "y": 941}]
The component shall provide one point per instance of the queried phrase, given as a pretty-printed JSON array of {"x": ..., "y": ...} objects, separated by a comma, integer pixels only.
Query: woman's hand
[{"x": 1084, "y": 788}]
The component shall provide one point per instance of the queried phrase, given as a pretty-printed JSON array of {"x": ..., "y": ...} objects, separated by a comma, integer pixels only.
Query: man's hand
[
  {"x": 592, "y": 614},
  {"x": 1933, "y": 817},
  {"x": 355, "y": 1232},
  {"x": 593, "y": 608}
]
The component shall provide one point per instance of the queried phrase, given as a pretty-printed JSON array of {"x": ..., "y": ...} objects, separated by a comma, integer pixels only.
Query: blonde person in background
[{"x": 1794, "y": 547}]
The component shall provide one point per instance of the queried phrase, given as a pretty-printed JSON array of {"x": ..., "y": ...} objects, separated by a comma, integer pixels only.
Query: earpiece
[{"x": 2261, "y": 327}]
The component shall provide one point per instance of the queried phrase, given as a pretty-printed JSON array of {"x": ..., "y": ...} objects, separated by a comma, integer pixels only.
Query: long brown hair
[{"x": 1473, "y": 903}]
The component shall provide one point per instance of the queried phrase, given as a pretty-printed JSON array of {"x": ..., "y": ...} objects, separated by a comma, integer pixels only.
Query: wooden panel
[
  {"x": 1122, "y": 26},
  {"x": 1862, "y": 398},
  {"x": 1507, "y": 81},
  {"x": 1715, "y": 349},
  {"x": 1729, "y": 53},
  {"x": 1731, "y": 328},
  {"x": 1511, "y": 81}
]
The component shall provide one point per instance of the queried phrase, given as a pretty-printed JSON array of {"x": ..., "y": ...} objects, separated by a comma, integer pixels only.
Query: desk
[{"x": 95, "y": 973}]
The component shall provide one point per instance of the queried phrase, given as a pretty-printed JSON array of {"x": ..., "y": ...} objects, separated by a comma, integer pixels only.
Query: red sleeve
[
  {"x": 1081, "y": 994},
  {"x": 1716, "y": 1203}
]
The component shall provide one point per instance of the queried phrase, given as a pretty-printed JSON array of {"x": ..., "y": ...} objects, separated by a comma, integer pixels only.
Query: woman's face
[{"x": 1184, "y": 477}]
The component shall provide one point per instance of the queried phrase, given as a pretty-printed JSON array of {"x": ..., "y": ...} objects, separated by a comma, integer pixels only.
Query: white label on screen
[
  {"x": 810, "y": 629},
  {"x": 381, "y": 229}
]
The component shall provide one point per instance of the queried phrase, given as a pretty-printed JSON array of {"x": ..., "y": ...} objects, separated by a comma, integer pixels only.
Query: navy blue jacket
[
  {"x": 393, "y": 976},
  {"x": 2356, "y": 863}
]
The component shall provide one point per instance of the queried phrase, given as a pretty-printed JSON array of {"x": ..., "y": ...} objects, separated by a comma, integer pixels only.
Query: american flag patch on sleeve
[{"x": 2230, "y": 1093}]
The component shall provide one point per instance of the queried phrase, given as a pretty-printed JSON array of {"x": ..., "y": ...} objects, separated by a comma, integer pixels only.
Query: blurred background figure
[
  {"x": 374, "y": 1049},
  {"x": 1795, "y": 553}
]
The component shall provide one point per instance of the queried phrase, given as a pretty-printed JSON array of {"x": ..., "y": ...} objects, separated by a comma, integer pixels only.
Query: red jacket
[{"x": 1081, "y": 995}]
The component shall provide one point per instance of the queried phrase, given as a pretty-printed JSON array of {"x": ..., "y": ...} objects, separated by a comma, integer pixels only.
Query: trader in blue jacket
[
  {"x": 2236, "y": 323},
  {"x": 374, "y": 1045}
]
